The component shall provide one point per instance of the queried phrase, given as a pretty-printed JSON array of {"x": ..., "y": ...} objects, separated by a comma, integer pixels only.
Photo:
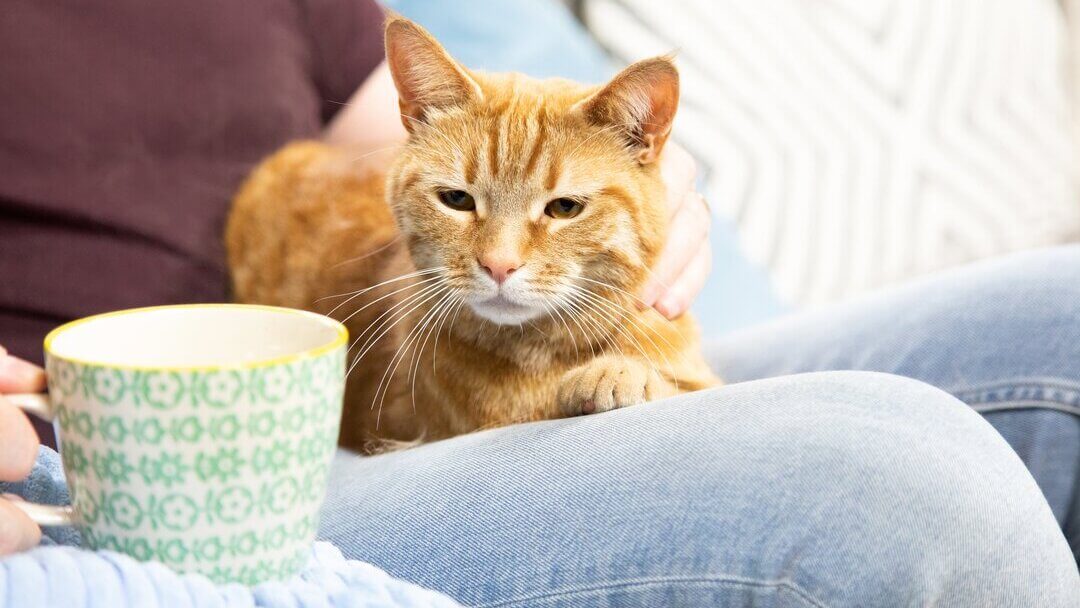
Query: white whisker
[
  {"x": 614, "y": 308},
  {"x": 388, "y": 315},
  {"x": 434, "y": 326},
  {"x": 391, "y": 322},
  {"x": 435, "y": 349},
  {"x": 402, "y": 349},
  {"x": 370, "y": 344},
  {"x": 359, "y": 292},
  {"x": 365, "y": 256},
  {"x": 630, "y": 295},
  {"x": 426, "y": 281},
  {"x": 601, "y": 335},
  {"x": 552, "y": 308}
]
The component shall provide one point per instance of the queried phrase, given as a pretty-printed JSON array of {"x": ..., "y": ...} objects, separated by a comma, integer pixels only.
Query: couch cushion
[{"x": 854, "y": 143}]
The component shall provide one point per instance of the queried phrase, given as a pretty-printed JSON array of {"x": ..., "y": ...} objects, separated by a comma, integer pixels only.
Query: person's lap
[
  {"x": 1003, "y": 336},
  {"x": 819, "y": 489}
]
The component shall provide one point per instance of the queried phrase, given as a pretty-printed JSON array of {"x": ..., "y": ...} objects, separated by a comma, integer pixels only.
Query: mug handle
[{"x": 38, "y": 404}]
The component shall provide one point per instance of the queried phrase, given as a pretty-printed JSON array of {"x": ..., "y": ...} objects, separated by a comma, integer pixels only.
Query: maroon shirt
[{"x": 125, "y": 128}]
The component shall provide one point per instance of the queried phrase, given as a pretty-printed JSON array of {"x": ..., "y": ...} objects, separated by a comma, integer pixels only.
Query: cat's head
[{"x": 524, "y": 192}]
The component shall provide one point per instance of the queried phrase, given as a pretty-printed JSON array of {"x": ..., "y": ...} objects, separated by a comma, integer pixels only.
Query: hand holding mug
[
  {"x": 198, "y": 436},
  {"x": 18, "y": 448}
]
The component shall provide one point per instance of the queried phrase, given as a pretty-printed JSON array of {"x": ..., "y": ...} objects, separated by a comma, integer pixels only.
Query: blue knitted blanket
[{"x": 60, "y": 574}]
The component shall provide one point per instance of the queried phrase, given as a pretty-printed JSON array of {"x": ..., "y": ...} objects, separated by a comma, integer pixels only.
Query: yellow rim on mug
[{"x": 340, "y": 339}]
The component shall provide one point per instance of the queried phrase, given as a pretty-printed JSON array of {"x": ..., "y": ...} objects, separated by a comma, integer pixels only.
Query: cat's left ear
[
  {"x": 642, "y": 100},
  {"x": 426, "y": 76}
]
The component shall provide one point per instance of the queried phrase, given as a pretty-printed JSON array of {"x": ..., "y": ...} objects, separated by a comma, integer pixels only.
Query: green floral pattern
[{"x": 220, "y": 472}]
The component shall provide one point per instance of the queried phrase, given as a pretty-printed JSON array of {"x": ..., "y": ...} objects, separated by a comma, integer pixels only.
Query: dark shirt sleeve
[{"x": 347, "y": 45}]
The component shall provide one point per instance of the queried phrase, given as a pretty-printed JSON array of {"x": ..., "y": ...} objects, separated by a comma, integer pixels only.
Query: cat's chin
[{"x": 502, "y": 311}]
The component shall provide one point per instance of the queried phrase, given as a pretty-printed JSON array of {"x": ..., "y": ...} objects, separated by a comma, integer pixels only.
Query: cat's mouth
[{"x": 504, "y": 311}]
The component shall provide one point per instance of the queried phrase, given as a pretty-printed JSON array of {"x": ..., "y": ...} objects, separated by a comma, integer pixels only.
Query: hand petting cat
[{"x": 686, "y": 259}]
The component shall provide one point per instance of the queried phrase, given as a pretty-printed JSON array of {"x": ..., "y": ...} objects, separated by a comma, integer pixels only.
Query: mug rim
[{"x": 341, "y": 337}]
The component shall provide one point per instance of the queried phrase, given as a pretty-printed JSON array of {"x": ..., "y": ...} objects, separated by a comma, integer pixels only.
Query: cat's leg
[{"x": 609, "y": 382}]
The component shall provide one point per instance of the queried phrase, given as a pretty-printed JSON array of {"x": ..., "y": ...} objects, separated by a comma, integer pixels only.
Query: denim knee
[
  {"x": 1013, "y": 354},
  {"x": 1017, "y": 317},
  {"x": 893, "y": 492},
  {"x": 826, "y": 489},
  {"x": 1001, "y": 335}
]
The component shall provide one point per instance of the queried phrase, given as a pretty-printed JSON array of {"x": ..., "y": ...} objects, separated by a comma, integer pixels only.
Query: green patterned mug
[{"x": 198, "y": 436}]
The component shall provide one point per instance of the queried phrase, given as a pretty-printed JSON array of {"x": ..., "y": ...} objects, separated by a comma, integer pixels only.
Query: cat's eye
[
  {"x": 563, "y": 208},
  {"x": 458, "y": 200}
]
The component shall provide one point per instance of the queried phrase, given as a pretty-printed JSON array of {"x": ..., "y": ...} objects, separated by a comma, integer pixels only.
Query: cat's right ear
[
  {"x": 426, "y": 76},
  {"x": 640, "y": 101}
]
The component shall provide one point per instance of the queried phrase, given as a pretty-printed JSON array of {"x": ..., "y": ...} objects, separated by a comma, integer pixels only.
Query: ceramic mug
[{"x": 198, "y": 436}]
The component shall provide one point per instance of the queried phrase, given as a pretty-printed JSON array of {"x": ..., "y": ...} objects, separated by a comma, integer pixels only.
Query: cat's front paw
[{"x": 609, "y": 382}]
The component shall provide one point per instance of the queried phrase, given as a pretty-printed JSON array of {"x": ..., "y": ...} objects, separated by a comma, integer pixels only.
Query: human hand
[
  {"x": 18, "y": 449},
  {"x": 685, "y": 262}
]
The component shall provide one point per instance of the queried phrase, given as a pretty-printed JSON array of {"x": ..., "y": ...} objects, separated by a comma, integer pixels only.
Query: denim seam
[
  {"x": 1053, "y": 394},
  {"x": 721, "y": 581},
  {"x": 1005, "y": 406}
]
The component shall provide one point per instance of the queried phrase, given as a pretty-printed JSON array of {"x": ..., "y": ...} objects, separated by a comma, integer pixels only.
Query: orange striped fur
[{"x": 447, "y": 352}]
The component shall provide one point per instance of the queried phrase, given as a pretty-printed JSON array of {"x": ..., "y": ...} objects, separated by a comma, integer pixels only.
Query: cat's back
[{"x": 309, "y": 220}]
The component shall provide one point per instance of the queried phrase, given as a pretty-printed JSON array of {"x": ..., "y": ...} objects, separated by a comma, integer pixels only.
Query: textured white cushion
[{"x": 858, "y": 142}]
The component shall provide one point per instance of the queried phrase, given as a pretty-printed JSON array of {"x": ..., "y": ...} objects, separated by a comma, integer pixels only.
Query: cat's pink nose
[{"x": 499, "y": 268}]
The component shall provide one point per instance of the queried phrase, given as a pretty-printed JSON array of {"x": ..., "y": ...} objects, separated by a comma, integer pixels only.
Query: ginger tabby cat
[{"x": 487, "y": 276}]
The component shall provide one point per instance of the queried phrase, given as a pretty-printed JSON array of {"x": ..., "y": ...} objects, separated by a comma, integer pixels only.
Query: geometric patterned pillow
[{"x": 854, "y": 143}]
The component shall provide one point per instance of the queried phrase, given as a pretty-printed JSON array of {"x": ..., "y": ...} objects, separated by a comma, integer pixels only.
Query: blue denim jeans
[{"x": 794, "y": 485}]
